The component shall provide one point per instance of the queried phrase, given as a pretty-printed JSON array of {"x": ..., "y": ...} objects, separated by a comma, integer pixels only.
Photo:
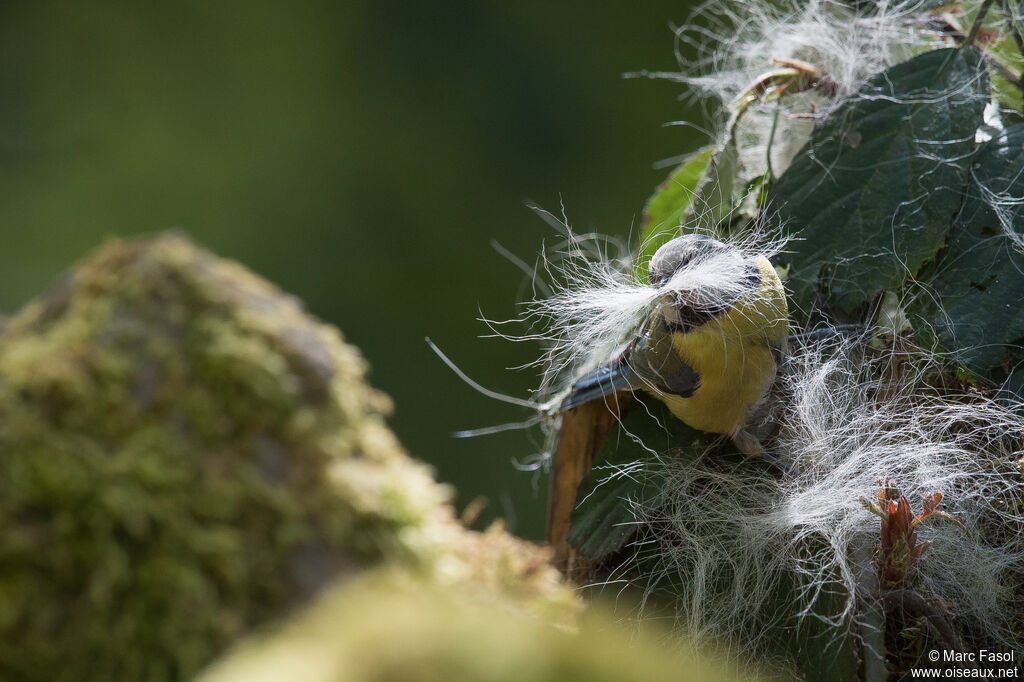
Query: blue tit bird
[{"x": 710, "y": 353}]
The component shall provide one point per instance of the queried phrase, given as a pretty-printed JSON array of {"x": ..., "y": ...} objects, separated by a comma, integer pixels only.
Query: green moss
[
  {"x": 184, "y": 455},
  {"x": 382, "y": 628}
]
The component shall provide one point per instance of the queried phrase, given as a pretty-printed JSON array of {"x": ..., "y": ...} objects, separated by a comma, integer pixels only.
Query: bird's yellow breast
[{"x": 732, "y": 353}]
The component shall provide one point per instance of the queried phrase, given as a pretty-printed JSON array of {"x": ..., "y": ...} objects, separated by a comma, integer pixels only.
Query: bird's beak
[{"x": 667, "y": 306}]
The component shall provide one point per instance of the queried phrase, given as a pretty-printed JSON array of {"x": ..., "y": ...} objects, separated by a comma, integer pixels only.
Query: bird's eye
[{"x": 657, "y": 278}]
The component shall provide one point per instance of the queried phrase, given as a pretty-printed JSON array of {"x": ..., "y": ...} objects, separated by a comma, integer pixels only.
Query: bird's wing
[
  {"x": 651, "y": 362},
  {"x": 606, "y": 380},
  {"x": 657, "y": 363}
]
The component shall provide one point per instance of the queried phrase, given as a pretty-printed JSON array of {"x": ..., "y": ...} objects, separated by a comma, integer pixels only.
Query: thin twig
[
  {"x": 982, "y": 11},
  {"x": 771, "y": 139},
  {"x": 991, "y": 59}
]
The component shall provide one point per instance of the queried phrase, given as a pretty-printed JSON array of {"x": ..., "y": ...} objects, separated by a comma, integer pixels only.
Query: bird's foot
[{"x": 748, "y": 444}]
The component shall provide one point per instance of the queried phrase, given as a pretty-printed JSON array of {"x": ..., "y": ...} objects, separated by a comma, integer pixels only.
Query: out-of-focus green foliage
[
  {"x": 185, "y": 454},
  {"x": 360, "y": 154}
]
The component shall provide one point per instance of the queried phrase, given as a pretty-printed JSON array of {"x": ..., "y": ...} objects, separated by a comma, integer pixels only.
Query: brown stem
[{"x": 982, "y": 11}]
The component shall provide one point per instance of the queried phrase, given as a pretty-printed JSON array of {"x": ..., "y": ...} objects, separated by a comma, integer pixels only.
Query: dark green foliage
[
  {"x": 875, "y": 191},
  {"x": 891, "y": 194},
  {"x": 605, "y": 520},
  {"x": 627, "y": 477},
  {"x": 979, "y": 276}
]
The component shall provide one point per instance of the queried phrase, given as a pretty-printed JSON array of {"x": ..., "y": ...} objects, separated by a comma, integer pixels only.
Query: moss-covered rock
[
  {"x": 185, "y": 454},
  {"x": 384, "y": 628}
]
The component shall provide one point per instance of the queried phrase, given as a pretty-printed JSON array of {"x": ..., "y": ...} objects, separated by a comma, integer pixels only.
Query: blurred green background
[{"x": 362, "y": 155}]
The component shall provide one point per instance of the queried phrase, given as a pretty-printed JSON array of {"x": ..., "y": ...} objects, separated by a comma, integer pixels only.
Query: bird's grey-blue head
[{"x": 679, "y": 253}]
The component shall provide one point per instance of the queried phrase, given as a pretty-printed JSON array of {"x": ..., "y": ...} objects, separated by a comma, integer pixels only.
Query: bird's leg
[{"x": 747, "y": 443}]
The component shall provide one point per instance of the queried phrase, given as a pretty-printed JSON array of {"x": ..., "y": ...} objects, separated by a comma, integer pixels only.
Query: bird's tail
[{"x": 603, "y": 381}]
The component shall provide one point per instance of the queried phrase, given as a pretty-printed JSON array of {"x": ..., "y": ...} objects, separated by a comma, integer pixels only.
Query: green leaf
[
  {"x": 605, "y": 520},
  {"x": 979, "y": 276},
  {"x": 664, "y": 211},
  {"x": 872, "y": 195},
  {"x": 714, "y": 197},
  {"x": 626, "y": 476},
  {"x": 665, "y": 208}
]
